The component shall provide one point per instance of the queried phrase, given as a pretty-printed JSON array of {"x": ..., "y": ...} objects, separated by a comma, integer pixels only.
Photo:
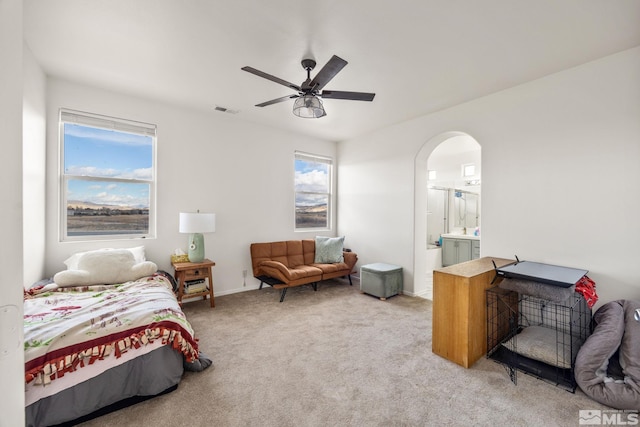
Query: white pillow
[
  {"x": 108, "y": 266},
  {"x": 72, "y": 261}
]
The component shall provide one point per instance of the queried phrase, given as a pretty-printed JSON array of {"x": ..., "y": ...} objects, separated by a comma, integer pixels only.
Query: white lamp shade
[{"x": 197, "y": 222}]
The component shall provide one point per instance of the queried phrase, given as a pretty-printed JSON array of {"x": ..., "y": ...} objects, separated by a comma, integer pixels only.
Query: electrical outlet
[{"x": 244, "y": 273}]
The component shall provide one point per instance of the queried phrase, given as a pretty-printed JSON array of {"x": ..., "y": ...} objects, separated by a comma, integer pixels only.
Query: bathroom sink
[{"x": 460, "y": 236}]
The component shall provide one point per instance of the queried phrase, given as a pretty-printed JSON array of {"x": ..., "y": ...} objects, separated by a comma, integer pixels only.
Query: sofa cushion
[
  {"x": 279, "y": 252},
  {"x": 280, "y": 271},
  {"x": 295, "y": 256},
  {"x": 309, "y": 250},
  {"x": 329, "y": 250},
  {"x": 288, "y": 252},
  {"x": 331, "y": 268}
]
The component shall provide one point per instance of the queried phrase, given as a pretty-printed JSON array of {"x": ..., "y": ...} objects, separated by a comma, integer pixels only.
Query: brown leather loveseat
[{"x": 292, "y": 263}]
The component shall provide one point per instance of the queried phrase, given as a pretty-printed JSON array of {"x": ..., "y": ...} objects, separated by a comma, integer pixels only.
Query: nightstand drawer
[{"x": 200, "y": 273}]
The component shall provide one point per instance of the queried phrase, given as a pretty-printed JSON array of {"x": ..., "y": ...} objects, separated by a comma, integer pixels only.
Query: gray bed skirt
[{"x": 148, "y": 375}]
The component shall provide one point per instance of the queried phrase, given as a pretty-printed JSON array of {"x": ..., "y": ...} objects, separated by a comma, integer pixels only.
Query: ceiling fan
[{"x": 308, "y": 100}]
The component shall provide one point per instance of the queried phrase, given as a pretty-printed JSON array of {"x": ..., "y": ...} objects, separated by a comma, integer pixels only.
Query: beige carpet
[{"x": 337, "y": 357}]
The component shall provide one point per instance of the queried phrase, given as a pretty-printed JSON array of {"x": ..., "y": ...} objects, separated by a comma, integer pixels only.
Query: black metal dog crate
[{"x": 536, "y": 336}]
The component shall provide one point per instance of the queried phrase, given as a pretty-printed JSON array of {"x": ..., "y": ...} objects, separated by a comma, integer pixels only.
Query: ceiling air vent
[{"x": 225, "y": 110}]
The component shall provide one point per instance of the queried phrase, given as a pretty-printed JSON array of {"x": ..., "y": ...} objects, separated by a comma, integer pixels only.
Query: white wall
[
  {"x": 11, "y": 256},
  {"x": 559, "y": 176},
  {"x": 33, "y": 168},
  {"x": 210, "y": 161}
]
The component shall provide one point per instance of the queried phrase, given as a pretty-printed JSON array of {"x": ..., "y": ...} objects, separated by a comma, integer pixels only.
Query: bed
[{"x": 90, "y": 348}]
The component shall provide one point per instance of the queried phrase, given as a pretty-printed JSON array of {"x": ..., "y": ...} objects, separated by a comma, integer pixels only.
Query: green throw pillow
[{"x": 329, "y": 250}]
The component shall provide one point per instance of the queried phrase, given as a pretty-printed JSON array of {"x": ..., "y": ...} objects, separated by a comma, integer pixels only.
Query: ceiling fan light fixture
[
  {"x": 309, "y": 107},
  {"x": 308, "y": 103}
]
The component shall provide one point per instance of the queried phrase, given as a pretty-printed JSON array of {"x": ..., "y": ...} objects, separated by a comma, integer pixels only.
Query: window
[
  {"x": 312, "y": 191},
  {"x": 108, "y": 177},
  {"x": 468, "y": 170}
]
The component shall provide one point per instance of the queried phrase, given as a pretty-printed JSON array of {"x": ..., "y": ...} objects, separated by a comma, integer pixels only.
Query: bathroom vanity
[{"x": 457, "y": 248}]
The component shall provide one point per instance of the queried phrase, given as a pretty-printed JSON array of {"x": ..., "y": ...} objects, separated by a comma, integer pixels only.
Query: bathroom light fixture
[
  {"x": 195, "y": 224},
  {"x": 308, "y": 106}
]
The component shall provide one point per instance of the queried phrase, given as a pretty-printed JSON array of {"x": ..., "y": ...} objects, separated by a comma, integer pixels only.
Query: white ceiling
[{"x": 418, "y": 56}]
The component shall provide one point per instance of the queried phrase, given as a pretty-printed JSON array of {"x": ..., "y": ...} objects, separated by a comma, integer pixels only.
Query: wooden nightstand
[{"x": 184, "y": 271}]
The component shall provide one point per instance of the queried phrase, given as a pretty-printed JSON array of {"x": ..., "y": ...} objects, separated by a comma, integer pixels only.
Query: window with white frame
[
  {"x": 313, "y": 184},
  {"x": 468, "y": 170},
  {"x": 107, "y": 185}
]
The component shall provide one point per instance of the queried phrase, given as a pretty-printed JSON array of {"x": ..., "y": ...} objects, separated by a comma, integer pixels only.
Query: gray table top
[{"x": 543, "y": 273}]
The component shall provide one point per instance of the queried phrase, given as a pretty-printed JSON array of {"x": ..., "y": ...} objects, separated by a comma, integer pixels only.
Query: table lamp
[{"x": 195, "y": 224}]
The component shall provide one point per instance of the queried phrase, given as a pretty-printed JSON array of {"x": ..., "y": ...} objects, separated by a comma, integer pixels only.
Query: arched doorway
[{"x": 425, "y": 254}]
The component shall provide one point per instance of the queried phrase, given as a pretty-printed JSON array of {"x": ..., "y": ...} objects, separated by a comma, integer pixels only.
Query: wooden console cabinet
[{"x": 460, "y": 309}]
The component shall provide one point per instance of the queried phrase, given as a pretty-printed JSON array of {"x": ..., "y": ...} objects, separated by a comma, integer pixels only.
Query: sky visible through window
[
  {"x": 312, "y": 182},
  {"x": 100, "y": 153},
  {"x": 311, "y": 177}
]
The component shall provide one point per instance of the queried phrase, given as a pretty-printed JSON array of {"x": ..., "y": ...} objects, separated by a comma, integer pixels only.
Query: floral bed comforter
[{"x": 69, "y": 328}]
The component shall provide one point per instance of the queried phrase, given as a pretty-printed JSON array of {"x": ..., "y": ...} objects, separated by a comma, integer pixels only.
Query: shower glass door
[{"x": 437, "y": 211}]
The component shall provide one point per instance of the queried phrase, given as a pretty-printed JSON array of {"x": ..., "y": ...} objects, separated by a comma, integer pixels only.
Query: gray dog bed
[{"x": 607, "y": 367}]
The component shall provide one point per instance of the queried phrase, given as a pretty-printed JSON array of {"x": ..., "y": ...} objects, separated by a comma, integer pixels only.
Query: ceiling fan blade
[
  {"x": 275, "y": 101},
  {"x": 354, "y": 96},
  {"x": 327, "y": 72},
  {"x": 272, "y": 78}
]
